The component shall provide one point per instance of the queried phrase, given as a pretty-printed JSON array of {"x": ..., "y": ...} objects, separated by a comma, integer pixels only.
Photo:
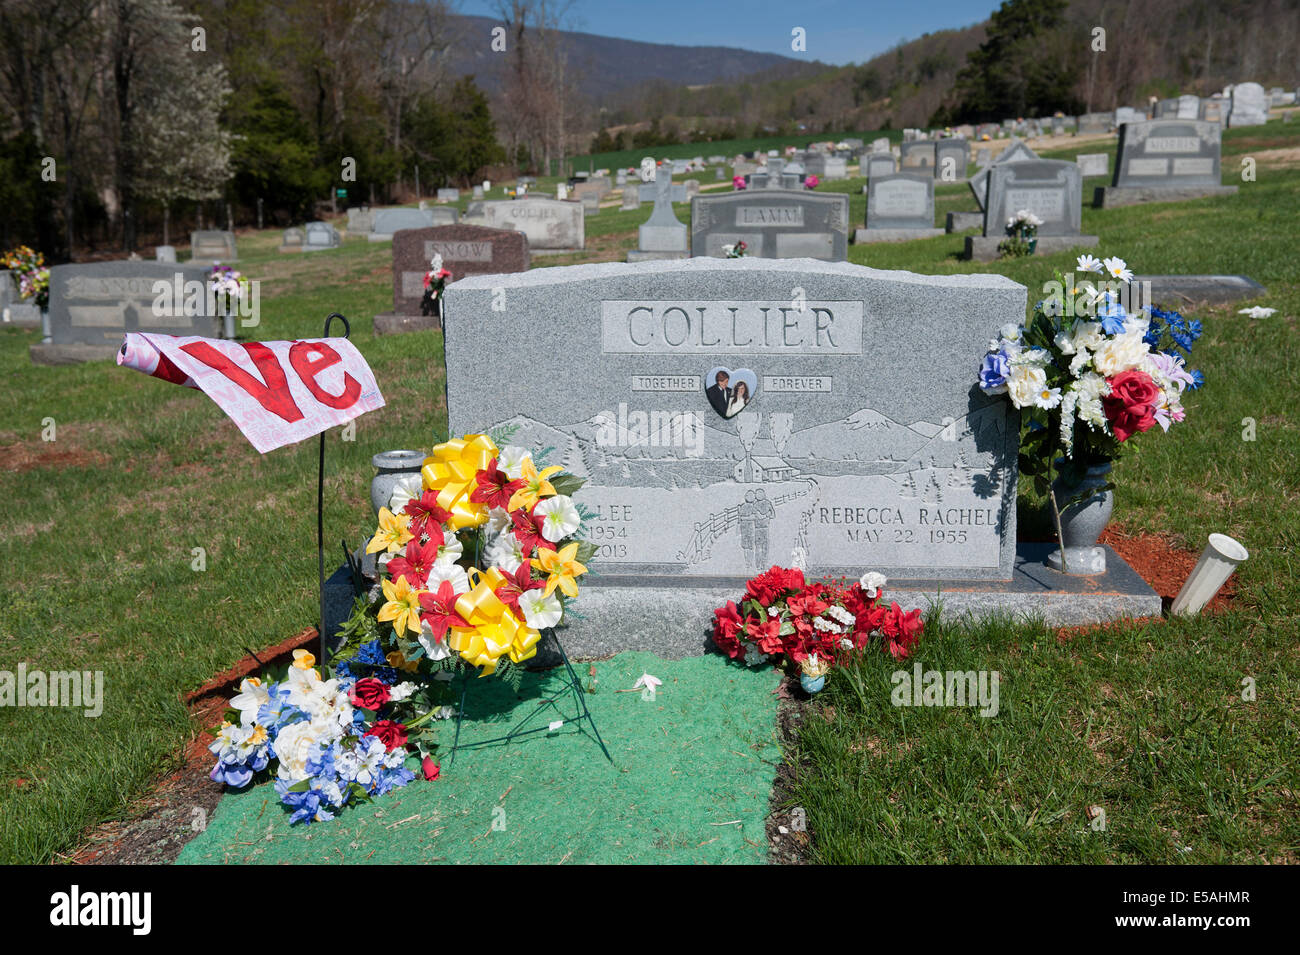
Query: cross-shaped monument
[{"x": 663, "y": 236}]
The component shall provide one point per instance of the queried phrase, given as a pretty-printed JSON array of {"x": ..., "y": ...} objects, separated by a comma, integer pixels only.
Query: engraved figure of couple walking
[{"x": 755, "y": 517}]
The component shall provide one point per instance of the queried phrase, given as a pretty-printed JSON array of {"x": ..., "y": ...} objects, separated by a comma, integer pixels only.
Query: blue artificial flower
[
  {"x": 1113, "y": 316},
  {"x": 1181, "y": 338},
  {"x": 277, "y": 711},
  {"x": 1194, "y": 329},
  {"x": 308, "y": 805},
  {"x": 994, "y": 372},
  {"x": 1198, "y": 379}
]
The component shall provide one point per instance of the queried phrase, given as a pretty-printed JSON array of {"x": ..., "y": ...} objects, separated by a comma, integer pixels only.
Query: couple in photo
[{"x": 727, "y": 399}]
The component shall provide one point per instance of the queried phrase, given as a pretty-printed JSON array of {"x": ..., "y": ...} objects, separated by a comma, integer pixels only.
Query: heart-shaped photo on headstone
[{"x": 729, "y": 392}]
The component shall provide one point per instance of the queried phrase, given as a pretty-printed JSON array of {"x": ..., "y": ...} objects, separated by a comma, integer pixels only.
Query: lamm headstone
[
  {"x": 773, "y": 223},
  {"x": 1165, "y": 160},
  {"x": 92, "y": 305},
  {"x": 899, "y": 207}
]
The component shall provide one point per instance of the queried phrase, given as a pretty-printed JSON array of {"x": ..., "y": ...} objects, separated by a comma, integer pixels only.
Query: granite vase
[
  {"x": 1083, "y": 521},
  {"x": 391, "y": 467}
]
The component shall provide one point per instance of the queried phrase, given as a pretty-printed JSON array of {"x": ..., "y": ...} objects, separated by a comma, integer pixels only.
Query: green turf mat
[{"x": 690, "y": 781}]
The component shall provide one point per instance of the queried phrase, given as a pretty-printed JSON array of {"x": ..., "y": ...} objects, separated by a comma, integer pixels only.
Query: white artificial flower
[
  {"x": 1024, "y": 384},
  {"x": 498, "y": 520},
  {"x": 404, "y": 491},
  {"x": 447, "y": 570},
  {"x": 647, "y": 682},
  {"x": 559, "y": 517},
  {"x": 401, "y": 691},
  {"x": 1010, "y": 332},
  {"x": 872, "y": 583},
  {"x": 435, "y": 264},
  {"x": 451, "y": 549},
  {"x": 1068, "y": 402},
  {"x": 505, "y": 553},
  {"x": 1048, "y": 398},
  {"x": 541, "y": 610},
  {"x": 1120, "y": 353},
  {"x": 841, "y": 615},
  {"x": 511, "y": 460},
  {"x": 1086, "y": 335},
  {"x": 1117, "y": 268},
  {"x": 753, "y": 655},
  {"x": 1032, "y": 356},
  {"x": 434, "y": 649},
  {"x": 293, "y": 746},
  {"x": 252, "y": 694},
  {"x": 1257, "y": 311},
  {"x": 1064, "y": 343},
  {"x": 1088, "y": 263}
]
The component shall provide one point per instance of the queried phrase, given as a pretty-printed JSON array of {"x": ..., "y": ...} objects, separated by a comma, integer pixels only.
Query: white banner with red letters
[{"x": 278, "y": 393}]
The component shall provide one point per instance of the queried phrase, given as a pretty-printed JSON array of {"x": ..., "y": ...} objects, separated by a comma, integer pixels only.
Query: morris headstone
[{"x": 1165, "y": 160}]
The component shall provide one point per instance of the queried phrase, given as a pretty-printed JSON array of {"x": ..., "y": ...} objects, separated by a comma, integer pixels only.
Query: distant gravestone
[
  {"x": 1016, "y": 152},
  {"x": 1127, "y": 114},
  {"x": 1165, "y": 160},
  {"x": 862, "y": 444},
  {"x": 551, "y": 225},
  {"x": 663, "y": 236},
  {"x": 918, "y": 154},
  {"x": 826, "y": 167},
  {"x": 212, "y": 245},
  {"x": 1093, "y": 164},
  {"x": 320, "y": 235},
  {"x": 293, "y": 240},
  {"x": 1058, "y": 125},
  {"x": 444, "y": 215},
  {"x": 1094, "y": 123},
  {"x": 360, "y": 219},
  {"x": 1050, "y": 189},
  {"x": 1249, "y": 105},
  {"x": 879, "y": 164},
  {"x": 465, "y": 250},
  {"x": 1189, "y": 107},
  {"x": 1212, "y": 110},
  {"x": 950, "y": 159},
  {"x": 773, "y": 223},
  {"x": 389, "y": 221},
  {"x": 476, "y": 192},
  {"x": 899, "y": 207},
  {"x": 92, "y": 305},
  {"x": 1167, "y": 109},
  {"x": 448, "y": 195},
  {"x": 590, "y": 204},
  {"x": 880, "y": 145},
  {"x": 165, "y": 253},
  {"x": 631, "y": 196}
]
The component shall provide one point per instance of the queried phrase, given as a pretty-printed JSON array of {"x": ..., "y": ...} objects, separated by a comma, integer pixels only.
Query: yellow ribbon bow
[
  {"x": 494, "y": 631},
  {"x": 450, "y": 472}
]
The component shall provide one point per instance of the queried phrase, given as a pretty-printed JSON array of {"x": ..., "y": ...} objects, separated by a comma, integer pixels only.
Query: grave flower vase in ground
[
  {"x": 391, "y": 467},
  {"x": 1083, "y": 521}
]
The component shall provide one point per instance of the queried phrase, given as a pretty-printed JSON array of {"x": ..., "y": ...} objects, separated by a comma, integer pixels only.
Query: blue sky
[{"x": 838, "y": 31}]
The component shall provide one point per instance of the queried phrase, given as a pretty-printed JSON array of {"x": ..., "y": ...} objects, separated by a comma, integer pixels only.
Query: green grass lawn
[{"x": 97, "y": 529}]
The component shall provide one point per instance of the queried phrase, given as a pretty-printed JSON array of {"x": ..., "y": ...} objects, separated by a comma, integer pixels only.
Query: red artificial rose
[
  {"x": 431, "y": 769},
  {"x": 902, "y": 629},
  {"x": 392, "y": 734},
  {"x": 369, "y": 693},
  {"x": 726, "y": 624},
  {"x": 1131, "y": 405},
  {"x": 769, "y": 587}
]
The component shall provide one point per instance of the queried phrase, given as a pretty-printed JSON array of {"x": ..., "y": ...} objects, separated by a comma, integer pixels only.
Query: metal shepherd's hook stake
[{"x": 320, "y": 499}]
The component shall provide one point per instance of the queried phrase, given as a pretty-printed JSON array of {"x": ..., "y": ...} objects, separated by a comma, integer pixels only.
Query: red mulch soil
[
  {"x": 1162, "y": 564},
  {"x": 162, "y": 822}
]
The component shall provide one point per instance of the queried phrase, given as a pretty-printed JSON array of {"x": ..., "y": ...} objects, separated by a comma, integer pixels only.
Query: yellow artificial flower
[
  {"x": 403, "y": 606},
  {"x": 398, "y": 661},
  {"x": 535, "y": 485},
  {"x": 303, "y": 659},
  {"x": 394, "y": 532},
  {"x": 563, "y": 568}
]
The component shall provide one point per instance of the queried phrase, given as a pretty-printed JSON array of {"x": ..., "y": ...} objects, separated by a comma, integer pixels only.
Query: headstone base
[
  {"x": 1079, "y": 561},
  {"x": 1201, "y": 288},
  {"x": 51, "y": 354},
  {"x": 963, "y": 221},
  {"x": 21, "y": 316},
  {"x": 636, "y": 255},
  {"x": 1111, "y": 197},
  {"x": 868, "y": 236},
  {"x": 676, "y": 622},
  {"x": 536, "y": 252},
  {"x": 290, "y": 248},
  {"x": 390, "y": 323},
  {"x": 980, "y": 248}
]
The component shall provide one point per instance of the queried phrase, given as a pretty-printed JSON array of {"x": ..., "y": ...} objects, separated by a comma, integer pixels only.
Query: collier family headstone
[
  {"x": 899, "y": 207},
  {"x": 862, "y": 444},
  {"x": 551, "y": 225},
  {"x": 92, "y": 305},
  {"x": 773, "y": 223},
  {"x": 1165, "y": 160}
]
